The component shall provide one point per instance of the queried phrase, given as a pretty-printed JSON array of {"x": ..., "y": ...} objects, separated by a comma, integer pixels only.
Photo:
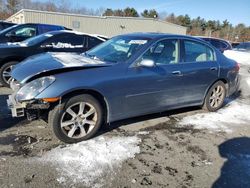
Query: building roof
[
  {"x": 97, "y": 17},
  {"x": 103, "y": 25}
]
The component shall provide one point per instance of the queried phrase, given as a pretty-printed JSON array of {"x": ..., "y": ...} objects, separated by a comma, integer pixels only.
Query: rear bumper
[{"x": 234, "y": 87}]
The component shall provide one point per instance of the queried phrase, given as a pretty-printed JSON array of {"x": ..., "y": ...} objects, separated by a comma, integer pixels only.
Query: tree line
[{"x": 195, "y": 26}]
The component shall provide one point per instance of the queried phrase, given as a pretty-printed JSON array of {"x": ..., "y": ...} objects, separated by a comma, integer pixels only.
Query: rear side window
[
  {"x": 47, "y": 28},
  {"x": 216, "y": 44},
  {"x": 65, "y": 41},
  {"x": 197, "y": 52},
  {"x": 219, "y": 44},
  {"x": 92, "y": 42}
]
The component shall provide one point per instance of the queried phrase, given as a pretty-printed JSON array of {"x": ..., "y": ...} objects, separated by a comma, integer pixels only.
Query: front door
[{"x": 154, "y": 88}]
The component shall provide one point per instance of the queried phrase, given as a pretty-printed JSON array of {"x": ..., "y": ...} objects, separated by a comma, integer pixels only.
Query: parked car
[
  {"x": 22, "y": 32},
  {"x": 126, "y": 76},
  {"x": 55, "y": 41},
  {"x": 234, "y": 44},
  {"x": 101, "y": 36},
  {"x": 243, "y": 46},
  {"x": 220, "y": 44},
  {"x": 4, "y": 25}
]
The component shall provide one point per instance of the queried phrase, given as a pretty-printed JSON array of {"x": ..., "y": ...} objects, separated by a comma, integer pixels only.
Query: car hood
[{"x": 52, "y": 63}]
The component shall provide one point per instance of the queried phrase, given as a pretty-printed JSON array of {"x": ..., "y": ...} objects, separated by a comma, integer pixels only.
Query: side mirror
[{"x": 147, "y": 63}]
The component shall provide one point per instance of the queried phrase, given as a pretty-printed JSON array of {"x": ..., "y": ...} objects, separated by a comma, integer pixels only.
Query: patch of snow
[
  {"x": 90, "y": 161},
  {"x": 81, "y": 33},
  {"x": 143, "y": 133},
  {"x": 23, "y": 44},
  {"x": 60, "y": 45},
  {"x": 48, "y": 35},
  {"x": 72, "y": 59},
  {"x": 61, "y": 180},
  {"x": 245, "y": 86},
  {"x": 235, "y": 113}
]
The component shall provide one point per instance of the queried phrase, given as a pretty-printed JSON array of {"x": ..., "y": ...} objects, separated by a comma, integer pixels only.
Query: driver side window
[{"x": 163, "y": 52}]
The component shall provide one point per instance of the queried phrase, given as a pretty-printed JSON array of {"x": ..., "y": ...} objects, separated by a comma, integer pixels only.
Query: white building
[{"x": 104, "y": 25}]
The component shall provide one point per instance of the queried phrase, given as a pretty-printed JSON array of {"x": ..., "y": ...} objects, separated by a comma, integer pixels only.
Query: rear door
[{"x": 198, "y": 69}]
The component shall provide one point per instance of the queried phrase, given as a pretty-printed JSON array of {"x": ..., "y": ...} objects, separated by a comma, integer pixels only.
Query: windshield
[
  {"x": 117, "y": 49},
  {"x": 8, "y": 29},
  {"x": 37, "y": 39}
]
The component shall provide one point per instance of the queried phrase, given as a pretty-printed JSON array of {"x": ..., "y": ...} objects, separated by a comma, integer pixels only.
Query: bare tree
[{"x": 13, "y": 6}]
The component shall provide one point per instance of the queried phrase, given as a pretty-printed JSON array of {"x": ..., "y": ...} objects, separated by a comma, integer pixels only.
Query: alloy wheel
[
  {"x": 217, "y": 96},
  {"x": 79, "y": 120},
  {"x": 6, "y": 74}
]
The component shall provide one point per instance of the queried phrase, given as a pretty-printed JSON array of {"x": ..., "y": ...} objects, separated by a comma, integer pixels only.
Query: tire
[
  {"x": 216, "y": 93},
  {"x": 76, "y": 124},
  {"x": 5, "y": 77}
]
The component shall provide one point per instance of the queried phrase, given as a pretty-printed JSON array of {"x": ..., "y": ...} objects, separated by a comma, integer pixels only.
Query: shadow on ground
[
  {"x": 236, "y": 170},
  {"x": 125, "y": 122}
]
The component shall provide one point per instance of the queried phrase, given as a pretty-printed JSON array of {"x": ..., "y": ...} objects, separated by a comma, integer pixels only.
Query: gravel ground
[{"x": 148, "y": 151}]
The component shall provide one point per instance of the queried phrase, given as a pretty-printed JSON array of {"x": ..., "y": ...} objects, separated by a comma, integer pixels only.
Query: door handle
[
  {"x": 213, "y": 68},
  {"x": 177, "y": 73}
]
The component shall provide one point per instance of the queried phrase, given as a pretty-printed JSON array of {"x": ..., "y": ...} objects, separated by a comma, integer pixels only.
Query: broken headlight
[{"x": 32, "y": 89}]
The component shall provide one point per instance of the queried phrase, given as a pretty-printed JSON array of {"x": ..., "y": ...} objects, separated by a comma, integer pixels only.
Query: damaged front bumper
[
  {"x": 30, "y": 108},
  {"x": 17, "y": 109}
]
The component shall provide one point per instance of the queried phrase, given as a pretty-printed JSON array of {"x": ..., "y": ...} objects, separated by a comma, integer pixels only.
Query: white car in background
[{"x": 243, "y": 58}]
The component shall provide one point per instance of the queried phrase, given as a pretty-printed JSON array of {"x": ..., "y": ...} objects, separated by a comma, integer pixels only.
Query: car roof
[
  {"x": 41, "y": 24},
  {"x": 156, "y": 36},
  {"x": 214, "y": 38},
  {"x": 58, "y": 32},
  {"x": 1, "y": 21}
]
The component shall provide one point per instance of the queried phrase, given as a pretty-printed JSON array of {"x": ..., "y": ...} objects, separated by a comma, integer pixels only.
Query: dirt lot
[{"x": 182, "y": 148}]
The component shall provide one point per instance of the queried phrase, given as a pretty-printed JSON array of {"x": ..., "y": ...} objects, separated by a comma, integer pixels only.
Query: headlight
[{"x": 34, "y": 88}]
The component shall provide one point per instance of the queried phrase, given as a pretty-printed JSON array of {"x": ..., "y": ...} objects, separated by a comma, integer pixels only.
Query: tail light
[{"x": 237, "y": 67}]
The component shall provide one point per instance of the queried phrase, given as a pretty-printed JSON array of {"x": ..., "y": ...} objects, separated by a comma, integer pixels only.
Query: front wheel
[
  {"x": 215, "y": 97},
  {"x": 5, "y": 73},
  {"x": 77, "y": 119}
]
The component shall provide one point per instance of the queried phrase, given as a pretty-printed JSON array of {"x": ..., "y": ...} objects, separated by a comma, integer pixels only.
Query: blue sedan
[{"x": 126, "y": 76}]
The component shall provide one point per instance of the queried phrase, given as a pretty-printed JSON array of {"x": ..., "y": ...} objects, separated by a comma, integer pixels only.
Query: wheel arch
[
  {"x": 9, "y": 59},
  {"x": 97, "y": 95},
  {"x": 225, "y": 81}
]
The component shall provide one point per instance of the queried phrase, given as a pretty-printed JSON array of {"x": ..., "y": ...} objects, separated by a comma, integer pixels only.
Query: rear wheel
[
  {"x": 5, "y": 73},
  {"x": 215, "y": 97},
  {"x": 77, "y": 119}
]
